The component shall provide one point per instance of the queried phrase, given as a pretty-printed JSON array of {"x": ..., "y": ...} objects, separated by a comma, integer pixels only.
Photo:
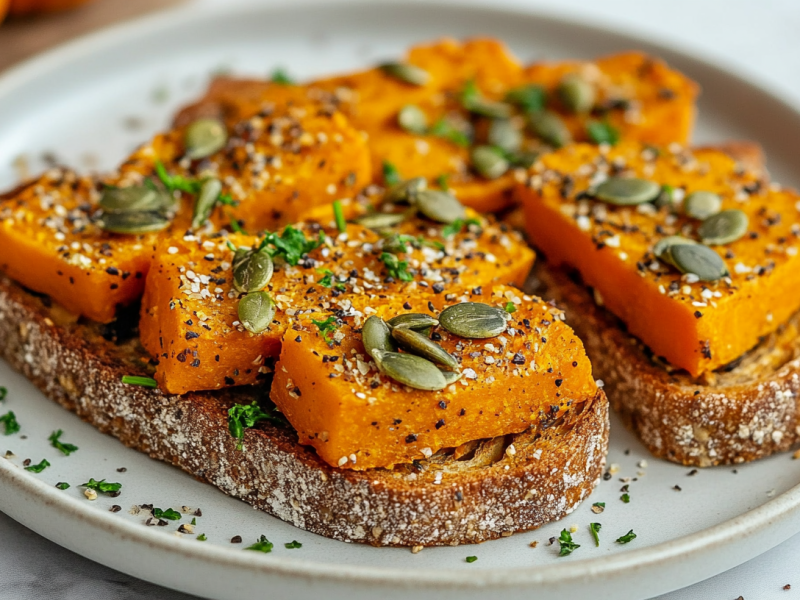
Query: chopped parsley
[
  {"x": 625, "y": 498},
  {"x": 3, "y": 393},
  {"x": 566, "y": 543},
  {"x": 599, "y": 504},
  {"x": 293, "y": 544},
  {"x": 456, "y": 226},
  {"x": 9, "y": 421},
  {"x": 328, "y": 281},
  {"x": 169, "y": 514},
  {"x": 201, "y": 538},
  {"x": 397, "y": 268},
  {"x": 594, "y": 528},
  {"x": 471, "y": 559},
  {"x": 628, "y": 537},
  {"x": 194, "y": 521},
  {"x": 236, "y": 226},
  {"x": 338, "y": 215},
  {"x": 510, "y": 307},
  {"x": 602, "y": 132},
  {"x": 245, "y": 416},
  {"x": 38, "y": 468},
  {"x": 530, "y": 98},
  {"x": 143, "y": 381},
  {"x": 441, "y": 181},
  {"x": 447, "y": 131},
  {"x": 291, "y": 244},
  {"x": 326, "y": 327},
  {"x": 281, "y": 77},
  {"x": 55, "y": 441},
  {"x": 262, "y": 545},
  {"x": 102, "y": 486},
  {"x": 391, "y": 176},
  {"x": 62, "y": 485},
  {"x": 177, "y": 182}
]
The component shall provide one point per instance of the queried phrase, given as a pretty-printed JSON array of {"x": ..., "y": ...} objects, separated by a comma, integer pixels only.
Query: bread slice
[
  {"x": 487, "y": 492},
  {"x": 745, "y": 411}
]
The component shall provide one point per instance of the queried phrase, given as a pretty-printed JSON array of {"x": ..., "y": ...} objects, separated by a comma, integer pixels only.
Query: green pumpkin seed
[
  {"x": 487, "y": 108},
  {"x": 395, "y": 244},
  {"x": 505, "y": 135},
  {"x": 530, "y": 98},
  {"x": 697, "y": 259},
  {"x": 251, "y": 270},
  {"x": 451, "y": 377},
  {"x": 204, "y": 137},
  {"x": 666, "y": 198},
  {"x": 439, "y": 206},
  {"x": 664, "y": 244},
  {"x": 134, "y": 223},
  {"x": 489, "y": 162},
  {"x": 405, "y": 191},
  {"x": 381, "y": 220},
  {"x": 412, "y": 119},
  {"x": 406, "y": 73},
  {"x": 724, "y": 227},
  {"x": 627, "y": 191},
  {"x": 417, "y": 321},
  {"x": 410, "y": 370},
  {"x": 474, "y": 320},
  {"x": 550, "y": 128},
  {"x": 206, "y": 200},
  {"x": 522, "y": 159},
  {"x": 576, "y": 94},
  {"x": 256, "y": 311},
  {"x": 376, "y": 335},
  {"x": 701, "y": 204},
  {"x": 134, "y": 198},
  {"x": 416, "y": 343}
]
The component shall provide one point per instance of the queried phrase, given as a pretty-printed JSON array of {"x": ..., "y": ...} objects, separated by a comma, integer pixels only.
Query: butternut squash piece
[
  {"x": 357, "y": 418},
  {"x": 697, "y": 326}
]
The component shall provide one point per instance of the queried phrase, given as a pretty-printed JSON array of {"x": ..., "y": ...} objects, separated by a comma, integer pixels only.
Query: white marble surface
[{"x": 757, "y": 38}]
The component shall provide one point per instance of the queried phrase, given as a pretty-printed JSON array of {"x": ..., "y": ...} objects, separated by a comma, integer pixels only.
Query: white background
[{"x": 759, "y": 39}]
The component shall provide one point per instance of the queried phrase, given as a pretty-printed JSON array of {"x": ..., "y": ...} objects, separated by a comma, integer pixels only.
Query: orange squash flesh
[
  {"x": 696, "y": 326},
  {"x": 356, "y": 418},
  {"x": 194, "y": 333}
]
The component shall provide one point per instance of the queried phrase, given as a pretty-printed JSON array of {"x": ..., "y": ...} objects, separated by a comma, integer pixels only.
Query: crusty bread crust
[
  {"x": 511, "y": 484},
  {"x": 747, "y": 412}
]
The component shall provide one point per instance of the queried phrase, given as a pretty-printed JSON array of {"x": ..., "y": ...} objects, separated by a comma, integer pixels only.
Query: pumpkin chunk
[
  {"x": 695, "y": 325},
  {"x": 357, "y": 418}
]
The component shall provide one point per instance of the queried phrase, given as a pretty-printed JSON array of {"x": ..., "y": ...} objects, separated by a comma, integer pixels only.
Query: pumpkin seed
[
  {"x": 451, "y": 377},
  {"x": 416, "y": 343},
  {"x": 375, "y": 334},
  {"x": 505, "y": 135},
  {"x": 666, "y": 197},
  {"x": 395, "y": 244},
  {"x": 405, "y": 191},
  {"x": 550, "y": 128},
  {"x": 487, "y": 108},
  {"x": 530, "y": 98},
  {"x": 697, "y": 259},
  {"x": 474, "y": 320},
  {"x": 489, "y": 161},
  {"x": 627, "y": 191},
  {"x": 664, "y": 244},
  {"x": 724, "y": 227},
  {"x": 577, "y": 94},
  {"x": 133, "y": 223},
  {"x": 522, "y": 159},
  {"x": 406, "y": 73},
  {"x": 252, "y": 270},
  {"x": 134, "y": 198},
  {"x": 256, "y": 311},
  {"x": 381, "y": 220},
  {"x": 439, "y": 206},
  {"x": 206, "y": 200},
  {"x": 410, "y": 370},
  {"x": 204, "y": 137},
  {"x": 701, "y": 204},
  {"x": 412, "y": 119},
  {"x": 417, "y": 321}
]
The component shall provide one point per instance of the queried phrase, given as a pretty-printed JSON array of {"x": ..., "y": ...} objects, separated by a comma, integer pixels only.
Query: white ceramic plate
[{"x": 90, "y": 102}]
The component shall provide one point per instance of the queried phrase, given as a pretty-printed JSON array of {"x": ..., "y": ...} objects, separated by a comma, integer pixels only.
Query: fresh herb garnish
[
  {"x": 281, "y": 77},
  {"x": 471, "y": 559},
  {"x": 530, "y": 98},
  {"x": 510, "y": 307},
  {"x": 201, "y": 538},
  {"x": 441, "y": 181},
  {"x": 262, "y": 545},
  {"x": 602, "y": 132},
  {"x": 626, "y": 498},
  {"x": 291, "y": 244},
  {"x": 446, "y": 130},
  {"x": 169, "y": 514},
  {"x": 55, "y": 441},
  {"x": 391, "y": 176},
  {"x": 326, "y": 328},
  {"x": 9, "y": 420},
  {"x": 177, "y": 182},
  {"x": 62, "y": 485},
  {"x": 328, "y": 281},
  {"x": 456, "y": 226},
  {"x": 599, "y": 504},
  {"x": 102, "y": 486},
  {"x": 194, "y": 521},
  {"x": 595, "y": 529},
  {"x": 628, "y": 537},
  {"x": 293, "y": 544},
  {"x": 38, "y": 468},
  {"x": 338, "y": 214},
  {"x": 245, "y": 416},
  {"x": 143, "y": 381},
  {"x": 3, "y": 393},
  {"x": 397, "y": 268},
  {"x": 566, "y": 543}
]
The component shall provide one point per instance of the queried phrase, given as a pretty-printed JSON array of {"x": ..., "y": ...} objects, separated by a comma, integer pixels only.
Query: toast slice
[{"x": 477, "y": 492}]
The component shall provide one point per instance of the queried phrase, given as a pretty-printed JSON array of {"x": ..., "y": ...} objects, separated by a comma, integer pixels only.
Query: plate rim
[{"x": 770, "y": 515}]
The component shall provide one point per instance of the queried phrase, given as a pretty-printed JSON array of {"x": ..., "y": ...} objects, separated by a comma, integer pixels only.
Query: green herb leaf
[
  {"x": 291, "y": 244},
  {"x": 201, "y": 538},
  {"x": 566, "y": 543},
  {"x": 262, "y": 545},
  {"x": 446, "y": 130},
  {"x": 628, "y": 537},
  {"x": 236, "y": 227},
  {"x": 62, "y": 485},
  {"x": 101, "y": 486},
  {"x": 602, "y": 132},
  {"x": 194, "y": 521},
  {"x": 281, "y": 77},
  {"x": 3, "y": 393},
  {"x": 169, "y": 514},
  {"x": 177, "y": 182},
  {"x": 59, "y": 445},
  {"x": 38, "y": 468},
  {"x": 397, "y": 268},
  {"x": 293, "y": 544},
  {"x": 338, "y": 215},
  {"x": 457, "y": 225},
  {"x": 143, "y": 381},
  {"x": 599, "y": 504},
  {"x": 625, "y": 498},
  {"x": 391, "y": 176},
  {"x": 510, "y": 307},
  {"x": 594, "y": 528},
  {"x": 441, "y": 181},
  {"x": 530, "y": 98},
  {"x": 328, "y": 280},
  {"x": 245, "y": 416},
  {"x": 326, "y": 327},
  {"x": 471, "y": 559},
  {"x": 9, "y": 420}
]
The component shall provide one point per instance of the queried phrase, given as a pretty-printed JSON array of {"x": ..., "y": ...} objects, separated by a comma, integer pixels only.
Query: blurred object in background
[
  {"x": 3, "y": 9},
  {"x": 22, "y": 8}
]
